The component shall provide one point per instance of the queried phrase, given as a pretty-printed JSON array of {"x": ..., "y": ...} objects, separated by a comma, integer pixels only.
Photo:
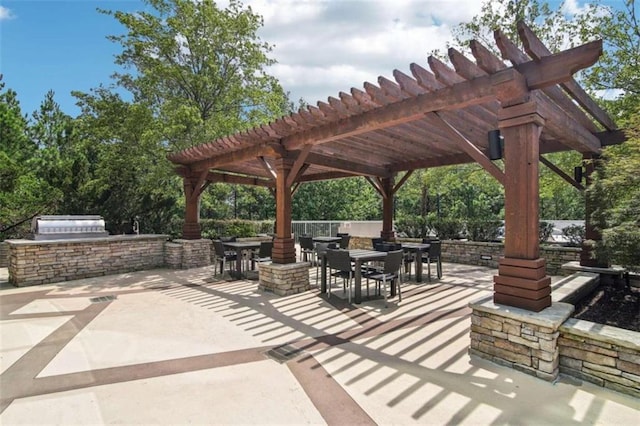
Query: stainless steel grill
[{"x": 67, "y": 227}]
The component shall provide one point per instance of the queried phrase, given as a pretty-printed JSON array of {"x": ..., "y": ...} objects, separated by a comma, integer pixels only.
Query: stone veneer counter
[{"x": 39, "y": 262}]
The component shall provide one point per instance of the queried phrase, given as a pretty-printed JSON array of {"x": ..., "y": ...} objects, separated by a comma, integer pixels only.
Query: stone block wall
[
  {"x": 173, "y": 255},
  {"x": 603, "y": 355},
  {"x": 284, "y": 279},
  {"x": 4, "y": 255},
  {"x": 41, "y": 262},
  {"x": 557, "y": 256},
  {"x": 519, "y": 339},
  {"x": 192, "y": 253},
  {"x": 472, "y": 252}
]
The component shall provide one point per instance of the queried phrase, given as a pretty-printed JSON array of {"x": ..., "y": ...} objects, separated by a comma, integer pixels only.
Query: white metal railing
[
  {"x": 325, "y": 228},
  {"x": 315, "y": 228}
]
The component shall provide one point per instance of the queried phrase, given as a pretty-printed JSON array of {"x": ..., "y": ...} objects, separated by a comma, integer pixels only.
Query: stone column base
[
  {"x": 191, "y": 231},
  {"x": 522, "y": 283},
  {"x": 284, "y": 279},
  {"x": 517, "y": 338}
]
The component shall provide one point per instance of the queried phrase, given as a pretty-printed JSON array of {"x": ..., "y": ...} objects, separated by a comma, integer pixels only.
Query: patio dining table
[
  {"x": 358, "y": 257},
  {"x": 418, "y": 249},
  {"x": 327, "y": 239},
  {"x": 241, "y": 247}
]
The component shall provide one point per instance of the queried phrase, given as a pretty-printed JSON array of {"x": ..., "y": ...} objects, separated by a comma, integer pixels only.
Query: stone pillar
[
  {"x": 284, "y": 250},
  {"x": 191, "y": 228},
  {"x": 189, "y": 254},
  {"x": 173, "y": 255},
  {"x": 4, "y": 255},
  {"x": 387, "y": 232},
  {"x": 522, "y": 279}
]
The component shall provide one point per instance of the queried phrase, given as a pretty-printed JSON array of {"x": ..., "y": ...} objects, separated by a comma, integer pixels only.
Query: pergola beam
[
  {"x": 267, "y": 166},
  {"x": 297, "y": 165},
  {"x": 241, "y": 180},
  {"x": 236, "y": 156},
  {"x": 377, "y": 185},
  {"x": 557, "y": 170},
  {"x": 474, "y": 152},
  {"x": 402, "y": 181},
  {"x": 467, "y": 93},
  {"x": 560, "y": 67},
  {"x": 559, "y": 122},
  {"x": 326, "y": 176},
  {"x": 537, "y": 50},
  {"x": 347, "y": 166},
  {"x": 431, "y": 162}
]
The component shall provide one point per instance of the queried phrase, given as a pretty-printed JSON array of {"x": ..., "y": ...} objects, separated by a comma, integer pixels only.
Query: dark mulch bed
[{"x": 612, "y": 303}]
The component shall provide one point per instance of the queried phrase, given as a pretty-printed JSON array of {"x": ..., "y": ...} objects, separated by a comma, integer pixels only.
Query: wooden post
[
  {"x": 587, "y": 257},
  {"x": 387, "y": 233},
  {"x": 522, "y": 280},
  {"x": 191, "y": 227},
  {"x": 284, "y": 250}
]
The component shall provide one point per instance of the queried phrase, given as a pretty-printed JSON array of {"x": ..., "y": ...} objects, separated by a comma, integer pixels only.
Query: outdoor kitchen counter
[
  {"x": 110, "y": 238},
  {"x": 33, "y": 262}
]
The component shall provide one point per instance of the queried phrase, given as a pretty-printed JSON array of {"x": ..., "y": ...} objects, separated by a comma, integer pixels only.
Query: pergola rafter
[{"x": 430, "y": 118}]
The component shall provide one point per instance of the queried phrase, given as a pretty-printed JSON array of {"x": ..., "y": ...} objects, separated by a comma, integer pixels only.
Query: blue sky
[
  {"x": 58, "y": 45},
  {"x": 61, "y": 45}
]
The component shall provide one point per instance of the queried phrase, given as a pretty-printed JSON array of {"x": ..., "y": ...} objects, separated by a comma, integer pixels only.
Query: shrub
[
  {"x": 412, "y": 226},
  {"x": 448, "y": 228},
  {"x": 213, "y": 228},
  {"x": 266, "y": 227},
  {"x": 575, "y": 234},
  {"x": 545, "y": 230},
  {"x": 174, "y": 229},
  {"x": 484, "y": 230}
]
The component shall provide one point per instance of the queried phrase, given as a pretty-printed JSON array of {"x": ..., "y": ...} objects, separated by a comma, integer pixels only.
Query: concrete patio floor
[{"x": 177, "y": 347}]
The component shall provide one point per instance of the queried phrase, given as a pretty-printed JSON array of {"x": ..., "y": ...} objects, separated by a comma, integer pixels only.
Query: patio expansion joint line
[{"x": 367, "y": 326}]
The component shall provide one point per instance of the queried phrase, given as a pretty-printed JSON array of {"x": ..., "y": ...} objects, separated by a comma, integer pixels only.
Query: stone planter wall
[
  {"x": 557, "y": 256},
  {"x": 523, "y": 340},
  {"x": 41, "y": 262},
  {"x": 284, "y": 279},
  {"x": 603, "y": 355},
  {"x": 549, "y": 343}
]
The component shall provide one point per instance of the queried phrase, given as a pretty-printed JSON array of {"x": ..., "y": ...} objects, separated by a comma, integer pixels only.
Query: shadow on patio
[{"x": 184, "y": 346}]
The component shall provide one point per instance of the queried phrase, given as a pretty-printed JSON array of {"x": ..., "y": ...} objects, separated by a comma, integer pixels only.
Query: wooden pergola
[{"x": 432, "y": 118}]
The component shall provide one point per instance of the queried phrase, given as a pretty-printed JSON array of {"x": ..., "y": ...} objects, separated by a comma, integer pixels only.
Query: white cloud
[
  {"x": 5, "y": 13},
  {"x": 327, "y": 46},
  {"x": 571, "y": 7}
]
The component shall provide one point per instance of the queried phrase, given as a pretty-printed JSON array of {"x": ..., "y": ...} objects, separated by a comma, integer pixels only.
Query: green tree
[
  {"x": 616, "y": 193},
  {"x": 60, "y": 159},
  {"x": 557, "y": 30},
  {"x": 338, "y": 199},
  {"x": 618, "y": 70},
  {"x": 200, "y": 68},
  {"x": 464, "y": 192},
  {"x": 23, "y": 194},
  {"x": 554, "y": 27},
  {"x": 132, "y": 177},
  {"x": 558, "y": 199}
]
